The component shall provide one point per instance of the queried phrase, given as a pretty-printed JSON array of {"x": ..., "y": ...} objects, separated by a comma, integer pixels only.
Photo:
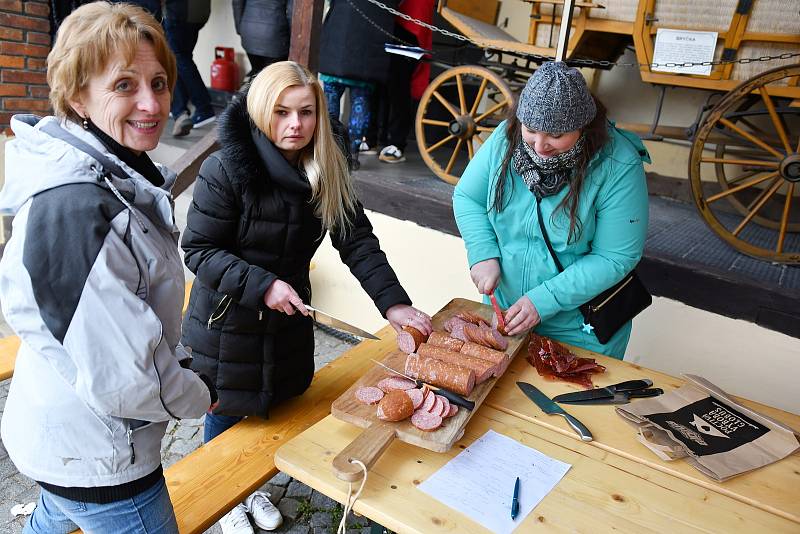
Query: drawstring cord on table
[{"x": 348, "y": 506}]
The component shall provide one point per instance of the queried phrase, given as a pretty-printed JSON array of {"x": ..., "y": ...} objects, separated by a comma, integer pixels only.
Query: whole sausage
[
  {"x": 483, "y": 369},
  {"x": 442, "y": 374},
  {"x": 499, "y": 359},
  {"x": 441, "y": 339}
]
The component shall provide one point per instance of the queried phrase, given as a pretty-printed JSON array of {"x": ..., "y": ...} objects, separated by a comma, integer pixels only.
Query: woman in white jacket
[{"x": 92, "y": 282}]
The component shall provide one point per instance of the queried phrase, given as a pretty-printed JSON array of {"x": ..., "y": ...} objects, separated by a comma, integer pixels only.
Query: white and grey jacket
[{"x": 92, "y": 282}]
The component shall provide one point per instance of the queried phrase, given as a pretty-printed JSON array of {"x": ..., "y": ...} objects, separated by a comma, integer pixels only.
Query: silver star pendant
[{"x": 587, "y": 328}]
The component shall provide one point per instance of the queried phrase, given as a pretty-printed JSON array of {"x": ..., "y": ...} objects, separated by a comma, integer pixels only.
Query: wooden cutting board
[{"x": 379, "y": 434}]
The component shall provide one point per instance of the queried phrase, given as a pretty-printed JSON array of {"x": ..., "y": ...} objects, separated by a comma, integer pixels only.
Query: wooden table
[{"x": 615, "y": 483}]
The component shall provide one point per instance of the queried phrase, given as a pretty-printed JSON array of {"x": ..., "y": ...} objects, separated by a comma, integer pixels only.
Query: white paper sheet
[
  {"x": 413, "y": 52},
  {"x": 479, "y": 482},
  {"x": 684, "y": 46}
]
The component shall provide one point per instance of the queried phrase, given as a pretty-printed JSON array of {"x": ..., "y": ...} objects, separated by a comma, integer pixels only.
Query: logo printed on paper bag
[{"x": 709, "y": 427}]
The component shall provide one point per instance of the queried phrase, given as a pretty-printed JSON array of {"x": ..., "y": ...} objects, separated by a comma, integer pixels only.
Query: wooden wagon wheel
[
  {"x": 749, "y": 196},
  {"x": 448, "y": 132}
]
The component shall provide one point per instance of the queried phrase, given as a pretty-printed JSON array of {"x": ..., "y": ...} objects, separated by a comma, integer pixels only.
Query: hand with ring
[
  {"x": 401, "y": 315},
  {"x": 521, "y": 316}
]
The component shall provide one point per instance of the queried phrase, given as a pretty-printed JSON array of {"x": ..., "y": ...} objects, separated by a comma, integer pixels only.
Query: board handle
[{"x": 367, "y": 448}]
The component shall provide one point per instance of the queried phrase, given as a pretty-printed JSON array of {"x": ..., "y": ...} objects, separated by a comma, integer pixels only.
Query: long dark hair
[{"x": 596, "y": 133}]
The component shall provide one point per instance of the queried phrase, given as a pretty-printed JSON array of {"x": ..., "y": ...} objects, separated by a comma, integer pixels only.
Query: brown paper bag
[{"x": 716, "y": 434}]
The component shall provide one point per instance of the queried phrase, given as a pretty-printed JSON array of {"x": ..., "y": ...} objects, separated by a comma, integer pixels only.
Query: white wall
[{"x": 740, "y": 357}]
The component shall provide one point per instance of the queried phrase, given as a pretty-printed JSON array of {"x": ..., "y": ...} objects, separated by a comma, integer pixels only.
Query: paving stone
[
  {"x": 185, "y": 432},
  {"x": 182, "y": 447},
  {"x": 321, "y": 519},
  {"x": 320, "y": 530},
  {"x": 276, "y": 493},
  {"x": 281, "y": 479},
  {"x": 322, "y": 501},
  {"x": 298, "y": 489},
  {"x": 296, "y": 528},
  {"x": 289, "y": 508}
]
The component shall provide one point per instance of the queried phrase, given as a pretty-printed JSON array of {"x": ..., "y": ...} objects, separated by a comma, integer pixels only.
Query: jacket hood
[
  {"x": 252, "y": 154},
  {"x": 37, "y": 161}
]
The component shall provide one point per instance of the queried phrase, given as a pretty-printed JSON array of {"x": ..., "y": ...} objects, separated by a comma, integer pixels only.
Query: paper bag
[{"x": 716, "y": 434}]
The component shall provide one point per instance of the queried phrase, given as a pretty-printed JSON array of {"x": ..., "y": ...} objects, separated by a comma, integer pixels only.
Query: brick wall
[{"x": 24, "y": 45}]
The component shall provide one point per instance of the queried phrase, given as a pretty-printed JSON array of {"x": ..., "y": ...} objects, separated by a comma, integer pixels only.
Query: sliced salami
[
  {"x": 417, "y": 396},
  {"x": 438, "y": 405},
  {"x": 446, "y": 406},
  {"x": 369, "y": 395},
  {"x": 395, "y": 382},
  {"x": 428, "y": 402},
  {"x": 453, "y": 410},
  {"x": 409, "y": 339},
  {"x": 426, "y": 421}
]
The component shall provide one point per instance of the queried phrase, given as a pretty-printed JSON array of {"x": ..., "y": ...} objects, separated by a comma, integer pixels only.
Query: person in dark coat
[
  {"x": 264, "y": 26},
  {"x": 352, "y": 58},
  {"x": 261, "y": 207}
]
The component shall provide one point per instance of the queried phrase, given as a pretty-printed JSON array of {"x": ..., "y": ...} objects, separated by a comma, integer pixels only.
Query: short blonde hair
[
  {"x": 322, "y": 160},
  {"x": 89, "y": 37}
]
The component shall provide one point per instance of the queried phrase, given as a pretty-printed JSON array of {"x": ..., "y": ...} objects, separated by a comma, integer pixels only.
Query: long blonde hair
[{"x": 322, "y": 160}]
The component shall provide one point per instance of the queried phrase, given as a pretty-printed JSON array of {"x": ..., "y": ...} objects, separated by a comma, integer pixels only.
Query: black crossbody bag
[{"x": 615, "y": 306}]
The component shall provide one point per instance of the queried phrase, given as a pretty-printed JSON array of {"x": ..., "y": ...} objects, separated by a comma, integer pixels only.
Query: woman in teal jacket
[{"x": 557, "y": 150}]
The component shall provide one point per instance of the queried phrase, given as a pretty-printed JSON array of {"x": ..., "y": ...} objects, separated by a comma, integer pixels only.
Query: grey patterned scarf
[{"x": 546, "y": 176}]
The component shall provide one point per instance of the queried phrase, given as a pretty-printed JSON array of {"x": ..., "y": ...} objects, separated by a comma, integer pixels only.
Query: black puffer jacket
[
  {"x": 264, "y": 26},
  {"x": 351, "y": 46},
  {"x": 251, "y": 222}
]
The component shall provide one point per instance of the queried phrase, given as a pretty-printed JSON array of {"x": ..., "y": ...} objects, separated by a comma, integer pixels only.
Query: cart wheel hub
[
  {"x": 790, "y": 168},
  {"x": 463, "y": 127}
]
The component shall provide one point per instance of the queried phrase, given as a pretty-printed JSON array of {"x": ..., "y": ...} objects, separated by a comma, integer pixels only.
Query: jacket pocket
[{"x": 219, "y": 311}]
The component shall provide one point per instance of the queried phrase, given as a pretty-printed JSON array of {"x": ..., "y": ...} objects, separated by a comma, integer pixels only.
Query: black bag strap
[{"x": 546, "y": 237}]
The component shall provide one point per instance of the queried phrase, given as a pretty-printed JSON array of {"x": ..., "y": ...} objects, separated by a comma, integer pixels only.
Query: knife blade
[
  {"x": 551, "y": 408},
  {"x": 620, "y": 397},
  {"x": 327, "y": 319},
  {"x": 454, "y": 398},
  {"x": 603, "y": 393}
]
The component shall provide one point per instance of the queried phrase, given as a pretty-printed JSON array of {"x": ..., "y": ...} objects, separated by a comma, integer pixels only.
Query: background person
[
  {"x": 558, "y": 151},
  {"x": 183, "y": 21},
  {"x": 264, "y": 26},
  {"x": 262, "y": 205},
  {"x": 92, "y": 283}
]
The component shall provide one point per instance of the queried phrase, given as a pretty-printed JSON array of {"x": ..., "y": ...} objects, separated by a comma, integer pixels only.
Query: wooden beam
[
  {"x": 188, "y": 165},
  {"x": 306, "y": 30}
]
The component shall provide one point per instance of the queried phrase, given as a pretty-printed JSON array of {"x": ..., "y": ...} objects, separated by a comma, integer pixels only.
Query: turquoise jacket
[{"x": 612, "y": 208}]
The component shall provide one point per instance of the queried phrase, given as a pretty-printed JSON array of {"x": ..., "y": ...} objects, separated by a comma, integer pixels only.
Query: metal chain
[
  {"x": 377, "y": 26},
  {"x": 587, "y": 62}
]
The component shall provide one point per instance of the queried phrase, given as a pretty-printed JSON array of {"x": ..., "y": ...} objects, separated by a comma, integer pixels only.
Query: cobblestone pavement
[{"x": 304, "y": 510}]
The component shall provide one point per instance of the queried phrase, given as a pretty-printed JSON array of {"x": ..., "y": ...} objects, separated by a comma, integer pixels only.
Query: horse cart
[{"x": 744, "y": 162}]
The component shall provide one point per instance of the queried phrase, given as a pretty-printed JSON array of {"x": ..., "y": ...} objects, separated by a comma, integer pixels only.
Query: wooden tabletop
[{"x": 614, "y": 483}]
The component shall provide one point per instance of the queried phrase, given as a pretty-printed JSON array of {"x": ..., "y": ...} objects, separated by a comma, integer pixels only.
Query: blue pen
[{"x": 515, "y": 501}]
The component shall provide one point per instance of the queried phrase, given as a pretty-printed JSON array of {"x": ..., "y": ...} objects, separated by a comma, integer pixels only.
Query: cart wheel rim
[
  {"x": 757, "y": 165},
  {"x": 469, "y": 118}
]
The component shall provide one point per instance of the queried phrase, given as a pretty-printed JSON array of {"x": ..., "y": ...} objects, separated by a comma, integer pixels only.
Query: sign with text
[{"x": 684, "y": 46}]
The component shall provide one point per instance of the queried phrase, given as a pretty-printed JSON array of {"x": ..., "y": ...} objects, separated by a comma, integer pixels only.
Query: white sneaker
[
  {"x": 392, "y": 154},
  {"x": 366, "y": 150},
  {"x": 265, "y": 515},
  {"x": 236, "y": 522}
]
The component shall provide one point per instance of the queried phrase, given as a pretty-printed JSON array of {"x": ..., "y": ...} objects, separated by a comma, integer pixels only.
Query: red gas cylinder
[{"x": 224, "y": 72}]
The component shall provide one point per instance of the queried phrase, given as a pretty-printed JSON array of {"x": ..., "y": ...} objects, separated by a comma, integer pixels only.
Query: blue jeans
[
  {"x": 182, "y": 37},
  {"x": 215, "y": 425},
  {"x": 148, "y": 512}
]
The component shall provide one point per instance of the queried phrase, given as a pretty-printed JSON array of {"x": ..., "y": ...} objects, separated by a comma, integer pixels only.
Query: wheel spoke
[
  {"x": 776, "y": 121},
  {"x": 745, "y": 176},
  {"x": 753, "y": 139},
  {"x": 732, "y": 190},
  {"x": 481, "y": 89},
  {"x": 491, "y": 110},
  {"x": 470, "y": 149},
  {"x": 453, "y": 157},
  {"x": 477, "y": 138},
  {"x": 758, "y": 205},
  {"x": 484, "y": 129},
  {"x": 440, "y": 143},
  {"x": 453, "y": 111},
  {"x": 433, "y": 122},
  {"x": 462, "y": 102},
  {"x": 751, "y": 162},
  {"x": 785, "y": 219}
]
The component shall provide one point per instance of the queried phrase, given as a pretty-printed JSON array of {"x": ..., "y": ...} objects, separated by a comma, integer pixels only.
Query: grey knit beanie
[{"x": 556, "y": 100}]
